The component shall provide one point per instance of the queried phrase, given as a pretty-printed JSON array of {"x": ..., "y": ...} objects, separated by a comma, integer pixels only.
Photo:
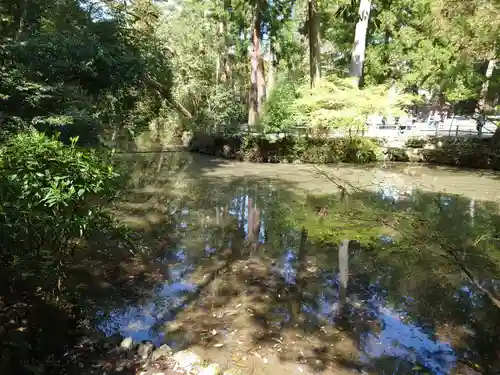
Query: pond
[{"x": 297, "y": 269}]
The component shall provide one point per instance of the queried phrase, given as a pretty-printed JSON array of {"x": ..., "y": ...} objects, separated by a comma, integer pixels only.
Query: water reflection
[{"x": 396, "y": 292}]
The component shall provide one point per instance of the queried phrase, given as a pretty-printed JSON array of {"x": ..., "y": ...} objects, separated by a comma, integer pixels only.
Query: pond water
[{"x": 293, "y": 269}]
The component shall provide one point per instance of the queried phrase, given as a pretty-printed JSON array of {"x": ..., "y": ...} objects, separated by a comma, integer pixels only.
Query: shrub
[
  {"x": 261, "y": 148},
  {"x": 415, "y": 143},
  {"x": 464, "y": 152},
  {"x": 335, "y": 103},
  {"x": 52, "y": 198},
  {"x": 279, "y": 113}
]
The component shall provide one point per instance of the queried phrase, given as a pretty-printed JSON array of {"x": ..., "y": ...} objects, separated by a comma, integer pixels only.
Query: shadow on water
[{"x": 256, "y": 274}]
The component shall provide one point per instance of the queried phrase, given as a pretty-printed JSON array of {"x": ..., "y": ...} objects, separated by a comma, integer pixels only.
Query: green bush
[
  {"x": 464, "y": 152},
  {"x": 262, "y": 148},
  {"x": 279, "y": 113},
  {"x": 52, "y": 198},
  {"x": 415, "y": 143}
]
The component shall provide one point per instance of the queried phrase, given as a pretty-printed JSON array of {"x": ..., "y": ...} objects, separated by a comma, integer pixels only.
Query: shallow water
[{"x": 253, "y": 275}]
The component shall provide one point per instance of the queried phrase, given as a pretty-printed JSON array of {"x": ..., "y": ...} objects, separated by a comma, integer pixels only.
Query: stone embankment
[{"x": 461, "y": 152}]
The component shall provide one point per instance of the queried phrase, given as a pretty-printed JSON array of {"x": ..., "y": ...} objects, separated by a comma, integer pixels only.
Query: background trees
[
  {"x": 444, "y": 49},
  {"x": 213, "y": 65}
]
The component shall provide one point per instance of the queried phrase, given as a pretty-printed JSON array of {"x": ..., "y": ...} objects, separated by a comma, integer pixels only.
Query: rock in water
[
  {"x": 127, "y": 343},
  {"x": 145, "y": 349},
  {"x": 186, "y": 359},
  {"x": 213, "y": 369},
  {"x": 163, "y": 351}
]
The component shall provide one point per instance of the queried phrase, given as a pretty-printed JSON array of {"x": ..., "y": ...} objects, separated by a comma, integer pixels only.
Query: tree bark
[
  {"x": 22, "y": 20},
  {"x": 314, "y": 43},
  {"x": 220, "y": 53},
  {"x": 486, "y": 85},
  {"x": 255, "y": 70},
  {"x": 271, "y": 73},
  {"x": 261, "y": 77},
  {"x": 359, "y": 47}
]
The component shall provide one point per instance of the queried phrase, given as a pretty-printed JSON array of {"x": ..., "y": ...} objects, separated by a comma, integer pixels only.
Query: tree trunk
[
  {"x": 22, "y": 20},
  {"x": 220, "y": 53},
  {"x": 219, "y": 62},
  {"x": 486, "y": 85},
  {"x": 271, "y": 73},
  {"x": 222, "y": 63},
  {"x": 261, "y": 77},
  {"x": 256, "y": 71},
  {"x": 358, "y": 50},
  {"x": 314, "y": 43}
]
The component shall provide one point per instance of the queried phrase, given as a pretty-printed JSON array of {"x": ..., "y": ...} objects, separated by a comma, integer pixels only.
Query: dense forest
[
  {"x": 94, "y": 72},
  {"x": 117, "y": 68}
]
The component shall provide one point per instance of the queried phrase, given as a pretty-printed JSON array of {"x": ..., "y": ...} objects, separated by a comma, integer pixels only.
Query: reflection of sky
[
  {"x": 395, "y": 338},
  {"x": 287, "y": 269},
  {"x": 137, "y": 321},
  {"x": 407, "y": 342}
]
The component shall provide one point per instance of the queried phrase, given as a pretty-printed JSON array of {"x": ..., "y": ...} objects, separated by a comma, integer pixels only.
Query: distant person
[
  {"x": 399, "y": 126},
  {"x": 479, "y": 125}
]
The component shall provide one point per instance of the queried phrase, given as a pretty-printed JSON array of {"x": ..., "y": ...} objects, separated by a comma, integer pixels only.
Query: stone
[
  {"x": 213, "y": 369},
  {"x": 127, "y": 343},
  {"x": 163, "y": 351},
  {"x": 145, "y": 349},
  {"x": 173, "y": 327},
  {"x": 186, "y": 359}
]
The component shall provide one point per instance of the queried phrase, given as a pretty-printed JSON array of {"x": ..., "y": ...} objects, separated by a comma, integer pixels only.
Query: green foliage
[
  {"x": 461, "y": 152},
  {"x": 219, "y": 112},
  {"x": 217, "y": 104},
  {"x": 335, "y": 103},
  {"x": 52, "y": 198},
  {"x": 259, "y": 148},
  {"x": 464, "y": 152},
  {"x": 338, "y": 103},
  {"x": 67, "y": 68},
  {"x": 415, "y": 143},
  {"x": 279, "y": 113}
]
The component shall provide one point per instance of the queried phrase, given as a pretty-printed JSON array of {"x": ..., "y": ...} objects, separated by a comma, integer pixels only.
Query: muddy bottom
[{"x": 249, "y": 318}]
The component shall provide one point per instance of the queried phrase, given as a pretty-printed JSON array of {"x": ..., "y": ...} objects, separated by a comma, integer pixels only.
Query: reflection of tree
[
  {"x": 297, "y": 289},
  {"x": 253, "y": 221},
  {"x": 343, "y": 272}
]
